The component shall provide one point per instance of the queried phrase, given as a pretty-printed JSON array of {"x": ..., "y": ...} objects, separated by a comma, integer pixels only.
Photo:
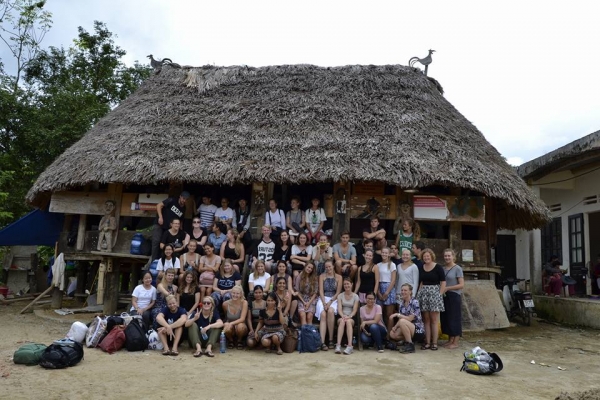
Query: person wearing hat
[{"x": 167, "y": 210}]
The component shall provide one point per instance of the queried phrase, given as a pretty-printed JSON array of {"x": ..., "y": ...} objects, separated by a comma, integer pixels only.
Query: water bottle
[
  {"x": 353, "y": 341},
  {"x": 223, "y": 343},
  {"x": 204, "y": 336},
  {"x": 299, "y": 345}
]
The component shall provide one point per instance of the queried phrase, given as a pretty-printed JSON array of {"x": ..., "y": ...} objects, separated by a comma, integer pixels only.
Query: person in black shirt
[{"x": 166, "y": 211}]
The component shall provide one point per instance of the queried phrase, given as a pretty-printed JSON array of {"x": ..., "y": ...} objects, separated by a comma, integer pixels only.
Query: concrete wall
[{"x": 571, "y": 311}]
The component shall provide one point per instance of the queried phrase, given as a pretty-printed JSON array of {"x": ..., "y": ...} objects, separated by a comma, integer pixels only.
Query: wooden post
[
  {"x": 134, "y": 276},
  {"x": 258, "y": 206},
  {"x": 82, "y": 267},
  {"x": 31, "y": 274},
  {"x": 57, "y": 296},
  {"x": 341, "y": 222},
  {"x": 111, "y": 295},
  {"x": 101, "y": 282},
  {"x": 81, "y": 232}
]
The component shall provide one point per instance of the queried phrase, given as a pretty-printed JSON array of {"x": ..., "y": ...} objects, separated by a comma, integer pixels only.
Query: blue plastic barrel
[
  {"x": 153, "y": 271},
  {"x": 136, "y": 244}
]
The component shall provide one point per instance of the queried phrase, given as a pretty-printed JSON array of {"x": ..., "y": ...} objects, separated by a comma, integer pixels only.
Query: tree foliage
[{"x": 54, "y": 97}]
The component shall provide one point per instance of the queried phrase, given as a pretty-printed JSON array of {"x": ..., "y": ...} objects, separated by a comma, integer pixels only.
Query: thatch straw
[{"x": 292, "y": 124}]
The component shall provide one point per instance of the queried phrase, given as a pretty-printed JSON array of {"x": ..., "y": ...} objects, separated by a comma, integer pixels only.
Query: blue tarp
[{"x": 38, "y": 228}]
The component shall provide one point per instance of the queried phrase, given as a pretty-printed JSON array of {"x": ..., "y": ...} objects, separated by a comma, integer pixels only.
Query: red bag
[{"x": 114, "y": 341}]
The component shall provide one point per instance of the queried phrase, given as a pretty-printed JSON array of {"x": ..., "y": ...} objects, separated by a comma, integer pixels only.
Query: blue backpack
[{"x": 309, "y": 340}]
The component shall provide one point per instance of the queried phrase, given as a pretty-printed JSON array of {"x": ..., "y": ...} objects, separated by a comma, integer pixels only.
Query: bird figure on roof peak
[
  {"x": 424, "y": 61},
  {"x": 158, "y": 64}
]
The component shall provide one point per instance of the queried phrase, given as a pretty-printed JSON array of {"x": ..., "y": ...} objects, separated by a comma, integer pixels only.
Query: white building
[{"x": 568, "y": 181}]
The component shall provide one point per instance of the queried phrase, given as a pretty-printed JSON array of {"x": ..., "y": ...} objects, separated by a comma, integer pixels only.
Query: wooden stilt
[{"x": 47, "y": 291}]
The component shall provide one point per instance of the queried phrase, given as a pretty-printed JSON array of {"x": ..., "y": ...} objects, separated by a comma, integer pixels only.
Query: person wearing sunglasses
[
  {"x": 204, "y": 328},
  {"x": 199, "y": 234}
]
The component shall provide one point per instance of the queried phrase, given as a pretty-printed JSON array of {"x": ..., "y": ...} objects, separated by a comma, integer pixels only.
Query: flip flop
[
  {"x": 198, "y": 354},
  {"x": 175, "y": 353},
  {"x": 210, "y": 354},
  {"x": 240, "y": 346},
  {"x": 230, "y": 345},
  {"x": 434, "y": 347},
  {"x": 166, "y": 352},
  {"x": 324, "y": 347},
  {"x": 425, "y": 346}
]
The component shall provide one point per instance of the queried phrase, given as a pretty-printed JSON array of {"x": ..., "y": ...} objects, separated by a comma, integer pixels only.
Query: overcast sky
[{"x": 526, "y": 73}]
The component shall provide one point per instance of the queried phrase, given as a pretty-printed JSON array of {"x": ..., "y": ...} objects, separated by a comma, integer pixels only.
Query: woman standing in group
[
  {"x": 236, "y": 311},
  {"x": 386, "y": 295},
  {"x": 451, "y": 318},
  {"x": 275, "y": 218},
  {"x": 204, "y": 328},
  {"x": 189, "y": 293},
  {"x": 368, "y": 278},
  {"x": 189, "y": 261},
  {"x": 284, "y": 296},
  {"x": 408, "y": 272},
  {"x": 167, "y": 261},
  {"x": 259, "y": 277},
  {"x": 234, "y": 250},
  {"x": 347, "y": 309},
  {"x": 301, "y": 254},
  {"x": 163, "y": 289},
  {"x": 143, "y": 299},
  {"x": 409, "y": 234},
  {"x": 209, "y": 265},
  {"x": 372, "y": 327},
  {"x": 253, "y": 315},
  {"x": 270, "y": 325},
  {"x": 330, "y": 286},
  {"x": 224, "y": 282},
  {"x": 306, "y": 287},
  {"x": 283, "y": 249},
  {"x": 199, "y": 235},
  {"x": 432, "y": 282},
  {"x": 410, "y": 326}
]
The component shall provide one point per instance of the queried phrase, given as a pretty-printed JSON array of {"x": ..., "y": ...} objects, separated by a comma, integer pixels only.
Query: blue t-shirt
[
  {"x": 202, "y": 321},
  {"x": 228, "y": 283},
  {"x": 172, "y": 317},
  {"x": 217, "y": 241}
]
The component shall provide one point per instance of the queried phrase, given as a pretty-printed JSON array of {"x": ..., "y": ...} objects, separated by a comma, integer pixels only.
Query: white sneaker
[
  {"x": 338, "y": 349},
  {"x": 348, "y": 350}
]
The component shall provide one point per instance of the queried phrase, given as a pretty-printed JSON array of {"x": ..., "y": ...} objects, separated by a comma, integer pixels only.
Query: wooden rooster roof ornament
[
  {"x": 424, "y": 61},
  {"x": 158, "y": 64}
]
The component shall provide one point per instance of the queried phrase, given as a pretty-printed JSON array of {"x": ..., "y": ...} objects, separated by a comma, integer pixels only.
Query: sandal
[
  {"x": 166, "y": 352},
  {"x": 331, "y": 345},
  {"x": 209, "y": 353},
  {"x": 279, "y": 352},
  {"x": 434, "y": 347},
  {"x": 230, "y": 345},
  {"x": 175, "y": 353},
  {"x": 268, "y": 351},
  {"x": 240, "y": 346},
  {"x": 198, "y": 354},
  {"x": 324, "y": 347},
  {"x": 425, "y": 346}
]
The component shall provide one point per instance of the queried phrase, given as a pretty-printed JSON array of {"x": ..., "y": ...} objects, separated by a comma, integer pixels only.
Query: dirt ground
[{"x": 246, "y": 374}]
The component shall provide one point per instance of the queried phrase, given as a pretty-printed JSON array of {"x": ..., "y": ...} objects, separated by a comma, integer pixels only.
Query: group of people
[{"x": 393, "y": 293}]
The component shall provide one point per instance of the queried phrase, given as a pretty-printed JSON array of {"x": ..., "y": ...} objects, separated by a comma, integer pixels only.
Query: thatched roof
[{"x": 292, "y": 124}]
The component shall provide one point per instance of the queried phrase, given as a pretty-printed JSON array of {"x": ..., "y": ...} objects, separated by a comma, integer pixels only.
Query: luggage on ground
[
  {"x": 479, "y": 362},
  {"x": 29, "y": 354},
  {"x": 62, "y": 354},
  {"x": 309, "y": 340},
  {"x": 96, "y": 332},
  {"x": 135, "y": 336},
  {"x": 114, "y": 341},
  {"x": 77, "y": 332}
]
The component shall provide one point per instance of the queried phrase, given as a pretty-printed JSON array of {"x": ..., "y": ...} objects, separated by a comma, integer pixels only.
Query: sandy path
[{"x": 254, "y": 374}]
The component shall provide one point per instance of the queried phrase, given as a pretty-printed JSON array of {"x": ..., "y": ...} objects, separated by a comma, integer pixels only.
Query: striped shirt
[{"x": 207, "y": 215}]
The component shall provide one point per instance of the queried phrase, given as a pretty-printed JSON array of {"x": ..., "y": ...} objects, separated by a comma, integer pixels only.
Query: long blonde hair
[
  {"x": 212, "y": 307},
  {"x": 236, "y": 241},
  {"x": 254, "y": 274}
]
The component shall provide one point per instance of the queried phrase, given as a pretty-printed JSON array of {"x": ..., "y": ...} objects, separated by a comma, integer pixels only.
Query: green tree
[{"x": 60, "y": 94}]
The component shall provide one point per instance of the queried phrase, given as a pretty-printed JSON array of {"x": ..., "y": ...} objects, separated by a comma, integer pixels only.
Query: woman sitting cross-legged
[
  {"x": 270, "y": 325},
  {"x": 204, "y": 328},
  {"x": 371, "y": 326},
  {"x": 170, "y": 323},
  {"x": 330, "y": 286},
  {"x": 347, "y": 308},
  {"x": 306, "y": 290},
  {"x": 254, "y": 308},
  {"x": 236, "y": 310},
  {"x": 225, "y": 280},
  {"x": 410, "y": 326}
]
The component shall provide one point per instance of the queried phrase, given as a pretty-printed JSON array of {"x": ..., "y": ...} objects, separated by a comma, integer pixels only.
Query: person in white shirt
[
  {"x": 275, "y": 218},
  {"x": 225, "y": 214},
  {"x": 315, "y": 219}
]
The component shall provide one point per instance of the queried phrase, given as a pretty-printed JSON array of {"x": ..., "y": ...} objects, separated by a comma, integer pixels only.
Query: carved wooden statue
[
  {"x": 403, "y": 215},
  {"x": 107, "y": 227}
]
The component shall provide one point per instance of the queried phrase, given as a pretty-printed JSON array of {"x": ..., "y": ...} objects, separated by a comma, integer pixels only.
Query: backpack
[
  {"x": 96, "y": 332},
  {"x": 154, "y": 342},
  {"x": 309, "y": 340},
  {"x": 481, "y": 363},
  {"x": 29, "y": 354},
  {"x": 61, "y": 354},
  {"x": 135, "y": 336},
  {"x": 146, "y": 247},
  {"x": 114, "y": 341}
]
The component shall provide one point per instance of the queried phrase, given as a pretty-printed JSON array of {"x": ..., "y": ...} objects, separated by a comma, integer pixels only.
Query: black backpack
[
  {"x": 309, "y": 340},
  {"x": 113, "y": 321},
  {"x": 135, "y": 336},
  {"x": 61, "y": 354}
]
